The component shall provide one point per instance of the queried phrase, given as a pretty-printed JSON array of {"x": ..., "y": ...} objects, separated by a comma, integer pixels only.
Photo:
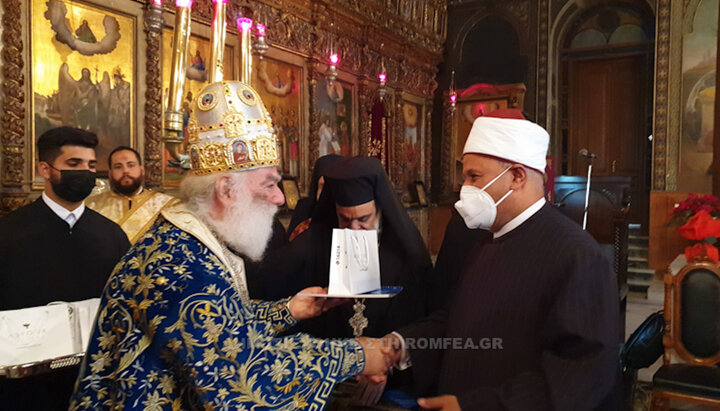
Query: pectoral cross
[{"x": 358, "y": 321}]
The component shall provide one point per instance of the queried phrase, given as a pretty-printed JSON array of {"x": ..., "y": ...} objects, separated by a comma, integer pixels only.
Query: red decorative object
[
  {"x": 704, "y": 228},
  {"x": 700, "y": 226},
  {"x": 693, "y": 204},
  {"x": 700, "y": 250}
]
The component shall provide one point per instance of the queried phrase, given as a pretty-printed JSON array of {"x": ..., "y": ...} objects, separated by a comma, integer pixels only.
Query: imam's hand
[
  {"x": 392, "y": 348},
  {"x": 376, "y": 362},
  {"x": 443, "y": 402}
]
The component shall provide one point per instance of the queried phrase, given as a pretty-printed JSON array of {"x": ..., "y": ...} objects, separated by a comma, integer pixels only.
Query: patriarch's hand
[{"x": 303, "y": 307}]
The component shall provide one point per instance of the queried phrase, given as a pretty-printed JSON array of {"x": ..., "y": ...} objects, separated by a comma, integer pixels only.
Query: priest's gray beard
[{"x": 246, "y": 226}]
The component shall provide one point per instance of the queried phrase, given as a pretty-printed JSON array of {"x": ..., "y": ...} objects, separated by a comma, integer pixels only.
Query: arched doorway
[{"x": 605, "y": 97}]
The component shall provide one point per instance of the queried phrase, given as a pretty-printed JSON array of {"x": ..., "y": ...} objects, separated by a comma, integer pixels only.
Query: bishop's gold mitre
[{"x": 230, "y": 129}]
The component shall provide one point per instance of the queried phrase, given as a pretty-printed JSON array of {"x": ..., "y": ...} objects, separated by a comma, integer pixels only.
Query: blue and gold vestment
[{"x": 175, "y": 330}]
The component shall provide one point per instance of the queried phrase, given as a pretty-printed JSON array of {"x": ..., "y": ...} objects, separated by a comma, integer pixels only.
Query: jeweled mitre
[{"x": 230, "y": 129}]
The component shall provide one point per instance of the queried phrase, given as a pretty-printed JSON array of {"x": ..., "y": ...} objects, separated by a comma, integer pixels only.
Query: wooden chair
[{"x": 692, "y": 332}]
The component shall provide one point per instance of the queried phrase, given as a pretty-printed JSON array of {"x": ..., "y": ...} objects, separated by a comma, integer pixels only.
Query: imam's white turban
[{"x": 511, "y": 139}]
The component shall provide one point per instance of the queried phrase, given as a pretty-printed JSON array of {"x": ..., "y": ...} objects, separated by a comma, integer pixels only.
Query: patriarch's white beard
[{"x": 246, "y": 226}]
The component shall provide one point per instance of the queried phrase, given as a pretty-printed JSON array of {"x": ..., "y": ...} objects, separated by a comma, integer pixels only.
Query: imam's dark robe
[
  {"x": 546, "y": 291},
  {"x": 460, "y": 244},
  {"x": 42, "y": 260}
]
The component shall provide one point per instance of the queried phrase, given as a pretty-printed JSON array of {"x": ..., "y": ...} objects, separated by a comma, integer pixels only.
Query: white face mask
[{"x": 477, "y": 207}]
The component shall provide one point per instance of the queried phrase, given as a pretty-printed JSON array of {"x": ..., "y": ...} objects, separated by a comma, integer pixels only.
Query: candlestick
[
  {"x": 218, "y": 41},
  {"x": 244, "y": 26},
  {"x": 181, "y": 38}
]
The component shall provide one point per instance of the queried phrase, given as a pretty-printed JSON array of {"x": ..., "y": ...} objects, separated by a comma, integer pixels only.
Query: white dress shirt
[
  {"x": 70, "y": 217},
  {"x": 520, "y": 218}
]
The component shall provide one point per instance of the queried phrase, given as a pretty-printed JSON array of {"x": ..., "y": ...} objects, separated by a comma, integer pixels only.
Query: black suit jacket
[{"x": 43, "y": 260}]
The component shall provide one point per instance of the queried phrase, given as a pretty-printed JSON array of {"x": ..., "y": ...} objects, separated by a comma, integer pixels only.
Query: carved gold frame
[
  {"x": 128, "y": 10},
  {"x": 398, "y": 135}
]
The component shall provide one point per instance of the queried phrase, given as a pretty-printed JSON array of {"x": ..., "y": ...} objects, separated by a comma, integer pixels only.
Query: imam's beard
[
  {"x": 127, "y": 189},
  {"x": 247, "y": 225}
]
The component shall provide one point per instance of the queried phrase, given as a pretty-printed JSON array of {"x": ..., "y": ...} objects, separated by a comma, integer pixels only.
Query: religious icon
[
  {"x": 240, "y": 152},
  {"x": 411, "y": 154},
  {"x": 83, "y": 72},
  {"x": 335, "y": 108},
  {"x": 698, "y": 93},
  {"x": 279, "y": 90}
]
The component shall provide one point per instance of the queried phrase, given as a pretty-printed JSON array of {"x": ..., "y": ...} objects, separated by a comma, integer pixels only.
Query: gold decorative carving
[
  {"x": 153, "y": 97},
  {"x": 446, "y": 156},
  {"x": 234, "y": 124},
  {"x": 13, "y": 125},
  {"x": 357, "y": 28},
  {"x": 13, "y": 117},
  {"x": 12, "y": 201},
  {"x": 428, "y": 145},
  {"x": 396, "y": 141},
  {"x": 314, "y": 120},
  {"x": 367, "y": 96},
  {"x": 542, "y": 62},
  {"x": 662, "y": 71}
]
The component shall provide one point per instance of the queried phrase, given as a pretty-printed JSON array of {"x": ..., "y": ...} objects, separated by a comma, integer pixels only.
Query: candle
[
  {"x": 185, "y": 4},
  {"x": 244, "y": 23}
]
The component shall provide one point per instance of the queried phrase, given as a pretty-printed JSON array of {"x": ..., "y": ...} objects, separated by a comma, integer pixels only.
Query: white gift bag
[
  {"x": 46, "y": 332},
  {"x": 354, "y": 262},
  {"x": 34, "y": 334}
]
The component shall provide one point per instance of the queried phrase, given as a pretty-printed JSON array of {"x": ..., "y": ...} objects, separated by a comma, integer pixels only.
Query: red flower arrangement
[
  {"x": 702, "y": 225},
  {"x": 692, "y": 205}
]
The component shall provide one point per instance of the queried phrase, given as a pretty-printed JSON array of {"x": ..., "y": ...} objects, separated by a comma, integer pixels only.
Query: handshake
[{"x": 381, "y": 354}]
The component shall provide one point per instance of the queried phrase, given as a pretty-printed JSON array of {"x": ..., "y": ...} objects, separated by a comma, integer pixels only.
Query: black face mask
[{"x": 74, "y": 185}]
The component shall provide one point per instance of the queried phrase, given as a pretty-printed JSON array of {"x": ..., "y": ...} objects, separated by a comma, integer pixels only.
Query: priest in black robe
[
  {"x": 352, "y": 184},
  {"x": 56, "y": 249},
  {"x": 534, "y": 323}
]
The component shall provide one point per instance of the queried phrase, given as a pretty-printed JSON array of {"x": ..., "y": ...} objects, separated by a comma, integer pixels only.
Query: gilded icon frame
[{"x": 77, "y": 43}]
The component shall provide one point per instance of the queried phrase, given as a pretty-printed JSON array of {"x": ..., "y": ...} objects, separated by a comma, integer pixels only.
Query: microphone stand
[{"x": 587, "y": 193}]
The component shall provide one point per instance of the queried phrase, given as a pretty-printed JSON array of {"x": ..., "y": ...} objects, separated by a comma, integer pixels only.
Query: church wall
[
  {"x": 684, "y": 57},
  {"x": 685, "y": 66}
]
